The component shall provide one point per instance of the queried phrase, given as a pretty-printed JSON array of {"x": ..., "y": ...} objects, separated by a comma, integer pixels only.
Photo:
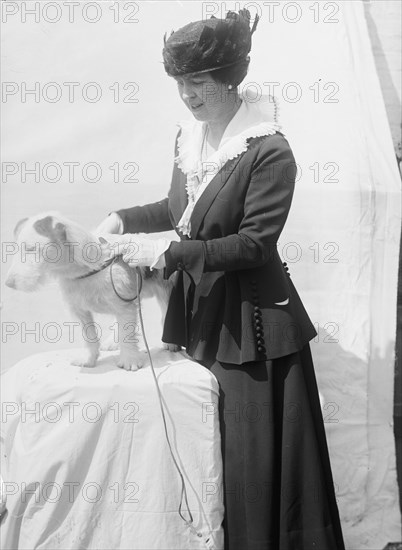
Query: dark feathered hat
[{"x": 208, "y": 45}]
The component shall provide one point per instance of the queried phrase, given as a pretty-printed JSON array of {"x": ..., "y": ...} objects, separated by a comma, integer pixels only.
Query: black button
[
  {"x": 256, "y": 308},
  {"x": 284, "y": 264},
  {"x": 259, "y": 333}
]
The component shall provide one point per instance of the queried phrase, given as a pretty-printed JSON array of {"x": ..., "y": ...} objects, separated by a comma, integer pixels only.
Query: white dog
[{"x": 53, "y": 247}]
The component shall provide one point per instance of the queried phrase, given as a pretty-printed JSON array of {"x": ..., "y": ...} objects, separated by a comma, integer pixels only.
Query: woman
[{"x": 234, "y": 307}]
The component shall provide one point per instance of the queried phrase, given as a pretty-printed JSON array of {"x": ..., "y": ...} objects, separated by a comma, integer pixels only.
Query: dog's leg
[
  {"x": 110, "y": 343},
  {"x": 131, "y": 358},
  {"x": 92, "y": 340}
]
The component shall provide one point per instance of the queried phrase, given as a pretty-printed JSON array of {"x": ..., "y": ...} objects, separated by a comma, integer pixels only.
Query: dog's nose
[{"x": 10, "y": 281}]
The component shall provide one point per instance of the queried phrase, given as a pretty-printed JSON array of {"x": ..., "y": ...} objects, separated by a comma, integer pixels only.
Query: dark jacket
[{"x": 233, "y": 299}]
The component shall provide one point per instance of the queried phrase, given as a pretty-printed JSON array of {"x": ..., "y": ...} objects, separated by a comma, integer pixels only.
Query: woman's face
[{"x": 204, "y": 97}]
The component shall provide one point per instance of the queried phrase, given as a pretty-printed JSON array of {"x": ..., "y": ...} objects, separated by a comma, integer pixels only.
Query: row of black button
[{"x": 258, "y": 328}]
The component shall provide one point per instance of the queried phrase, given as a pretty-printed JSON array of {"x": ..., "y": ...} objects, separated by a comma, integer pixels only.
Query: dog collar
[{"x": 94, "y": 271}]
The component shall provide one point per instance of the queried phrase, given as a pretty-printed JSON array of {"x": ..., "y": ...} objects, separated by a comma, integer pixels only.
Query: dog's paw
[
  {"x": 87, "y": 361},
  {"x": 171, "y": 347},
  {"x": 132, "y": 361}
]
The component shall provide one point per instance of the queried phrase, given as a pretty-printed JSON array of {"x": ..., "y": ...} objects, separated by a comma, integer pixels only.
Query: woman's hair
[{"x": 233, "y": 75}]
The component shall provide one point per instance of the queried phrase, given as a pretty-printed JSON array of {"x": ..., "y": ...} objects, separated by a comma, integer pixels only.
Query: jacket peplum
[{"x": 233, "y": 299}]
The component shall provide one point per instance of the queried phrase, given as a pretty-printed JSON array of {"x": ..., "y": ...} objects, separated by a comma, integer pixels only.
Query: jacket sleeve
[
  {"x": 149, "y": 218},
  {"x": 266, "y": 208}
]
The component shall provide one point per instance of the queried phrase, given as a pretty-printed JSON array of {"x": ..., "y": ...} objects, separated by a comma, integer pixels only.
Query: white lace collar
[{"x": 257, "y": 116}]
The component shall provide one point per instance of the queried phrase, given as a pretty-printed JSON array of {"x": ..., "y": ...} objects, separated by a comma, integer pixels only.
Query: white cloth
[
  {"x": 94, "y": 460},
  {"x": 256, "y": 116}
]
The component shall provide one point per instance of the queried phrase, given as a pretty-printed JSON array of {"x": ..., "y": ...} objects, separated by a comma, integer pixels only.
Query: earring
[{"x": 230, "y": 87}]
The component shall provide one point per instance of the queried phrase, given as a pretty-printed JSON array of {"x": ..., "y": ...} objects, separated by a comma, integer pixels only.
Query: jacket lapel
[{"x": 208, "y": 196}]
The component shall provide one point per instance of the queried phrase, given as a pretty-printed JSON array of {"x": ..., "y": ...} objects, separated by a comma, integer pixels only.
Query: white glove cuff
[{"x": 161, "y": 245}]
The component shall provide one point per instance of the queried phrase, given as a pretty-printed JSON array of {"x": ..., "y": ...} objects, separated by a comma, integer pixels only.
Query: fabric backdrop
[{"x": 342, "y": 237}]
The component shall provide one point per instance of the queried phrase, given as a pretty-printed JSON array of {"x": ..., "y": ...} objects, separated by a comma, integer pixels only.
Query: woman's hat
[{"x": 209, "y": 45}]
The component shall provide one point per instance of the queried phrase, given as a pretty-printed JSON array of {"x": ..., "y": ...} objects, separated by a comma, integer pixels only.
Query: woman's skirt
[{"x": 278, "y": 486}]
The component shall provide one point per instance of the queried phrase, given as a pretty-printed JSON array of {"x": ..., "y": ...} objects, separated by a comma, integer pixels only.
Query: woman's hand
[
  {"x": 111, "y": 224},
  {"x": 136, "y": 251}
]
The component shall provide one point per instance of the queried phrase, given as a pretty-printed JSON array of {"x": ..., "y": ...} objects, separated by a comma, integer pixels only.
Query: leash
[
  {"x": 139, "y": 287},
  {"x": 183, "y": 485},
  {"x": 109, "y": 263},
  {"x": 208, "y": 541}
]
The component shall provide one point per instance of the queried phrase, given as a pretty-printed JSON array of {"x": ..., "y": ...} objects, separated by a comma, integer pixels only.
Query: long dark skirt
[{"x": 278, "y": 486}]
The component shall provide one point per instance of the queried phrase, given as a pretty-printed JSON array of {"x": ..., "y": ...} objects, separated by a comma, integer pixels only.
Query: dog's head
[{"x": 45, "y": 245}]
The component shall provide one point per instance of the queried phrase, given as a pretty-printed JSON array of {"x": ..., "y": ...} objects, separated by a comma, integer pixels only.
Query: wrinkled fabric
[{"x": 90, "y": 468}]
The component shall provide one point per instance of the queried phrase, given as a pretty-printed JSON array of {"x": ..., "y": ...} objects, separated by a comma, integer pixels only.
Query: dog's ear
[
  {"x": 60, "y": 232},
  {"x": 18, "y": 227},
  {"x": 45, "y": 227}
]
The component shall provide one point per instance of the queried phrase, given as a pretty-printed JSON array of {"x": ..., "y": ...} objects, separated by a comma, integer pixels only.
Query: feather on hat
[{"x": 209, "y": 44}]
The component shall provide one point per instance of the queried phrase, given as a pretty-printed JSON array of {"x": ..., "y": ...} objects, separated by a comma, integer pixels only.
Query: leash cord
[
  {"x": 183, "y": 484},
  {"x": 139, "y": 286}
]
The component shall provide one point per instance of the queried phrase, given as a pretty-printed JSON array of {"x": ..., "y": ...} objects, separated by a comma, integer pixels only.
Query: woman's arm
[
  {"x": 266, "y": 208},
  {"x": 149, "y": 218}
]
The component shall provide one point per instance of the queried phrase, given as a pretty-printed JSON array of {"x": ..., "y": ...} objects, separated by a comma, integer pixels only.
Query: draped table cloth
[{"x": 86, "y": 463}]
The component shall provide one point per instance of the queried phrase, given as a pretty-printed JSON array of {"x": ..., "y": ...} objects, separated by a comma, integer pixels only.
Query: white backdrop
[{"x": 342, "y": 237}]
